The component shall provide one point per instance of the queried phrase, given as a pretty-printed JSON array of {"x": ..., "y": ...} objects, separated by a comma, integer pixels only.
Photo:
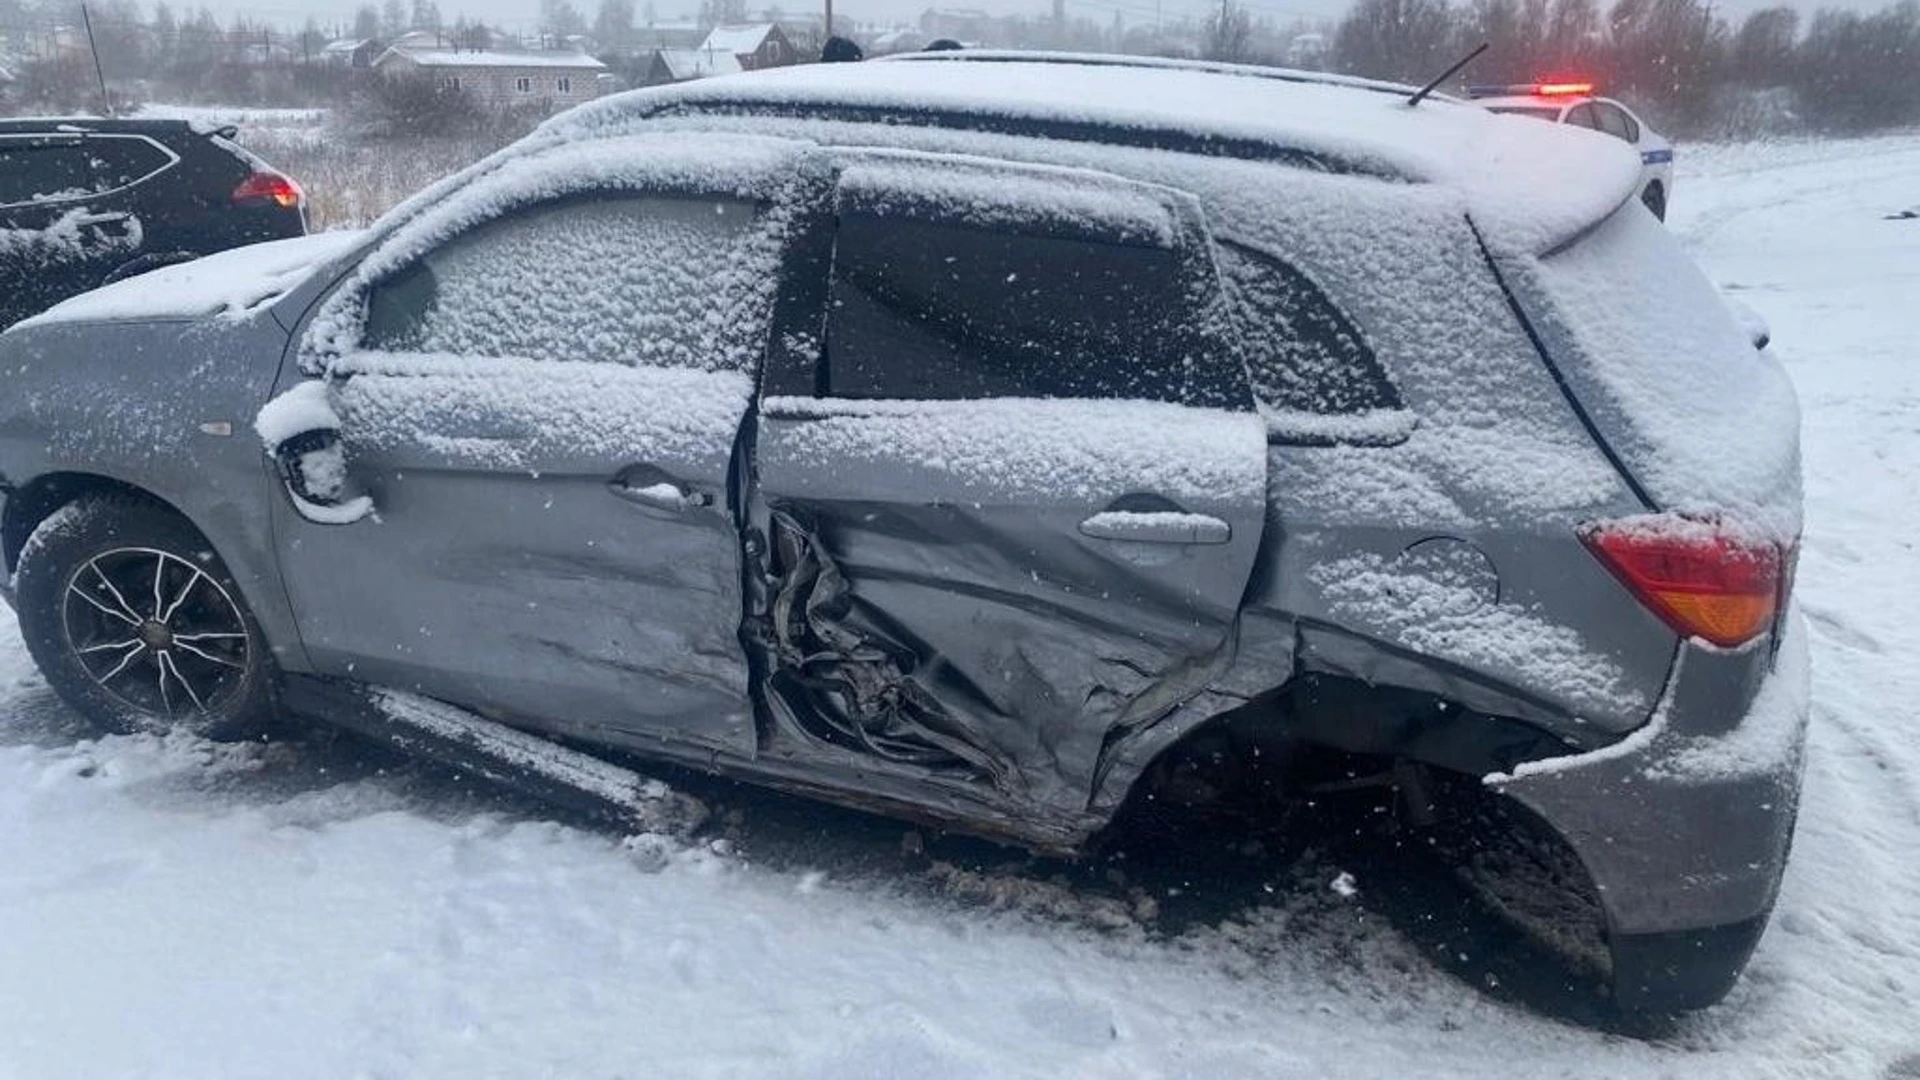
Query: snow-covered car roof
[{"x": 1528, "y": 185}]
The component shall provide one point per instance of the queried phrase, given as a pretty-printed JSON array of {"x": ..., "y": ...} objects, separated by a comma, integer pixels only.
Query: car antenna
[
  {"x": 1421, "y": 94},
  {"x": 106, "y": 102}
]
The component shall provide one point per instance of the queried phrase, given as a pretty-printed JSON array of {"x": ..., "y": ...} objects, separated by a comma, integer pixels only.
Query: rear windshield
[{"x": 1700, "y": 418}]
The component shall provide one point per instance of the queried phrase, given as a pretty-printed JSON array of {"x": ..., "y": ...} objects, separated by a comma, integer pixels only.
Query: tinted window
[
  {"x": 42, "y": 173},
  {"x": 1615, "y": 121},
  {"x": 1583, "y": 116},
  {"x": 665, "y": 282},
  {"x": 1526, "y": 110},
  {"x": 932, "y": 310},
  {"x": 1301, "y": 352},
  {"x": 117, "y": 162},
  {"x": 50, "y": 173}
]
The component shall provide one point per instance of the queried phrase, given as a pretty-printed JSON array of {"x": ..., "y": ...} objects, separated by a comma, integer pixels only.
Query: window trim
[{"x": 79, "y": 140}]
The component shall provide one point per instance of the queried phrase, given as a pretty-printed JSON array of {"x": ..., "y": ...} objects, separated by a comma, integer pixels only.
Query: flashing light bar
[{"x": 1536, "y": 89}]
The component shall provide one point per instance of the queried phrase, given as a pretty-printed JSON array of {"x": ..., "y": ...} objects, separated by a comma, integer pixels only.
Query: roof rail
[
  {"x": 1040, "y": 127},
  {"x": 1215, "y": 67}
]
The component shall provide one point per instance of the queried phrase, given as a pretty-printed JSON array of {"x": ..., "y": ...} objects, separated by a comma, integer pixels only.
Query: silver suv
[{"x": 970, "y": 437}]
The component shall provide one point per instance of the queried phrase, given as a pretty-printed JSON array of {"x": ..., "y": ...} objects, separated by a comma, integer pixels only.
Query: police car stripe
[{"x": 1655, "y": 157}]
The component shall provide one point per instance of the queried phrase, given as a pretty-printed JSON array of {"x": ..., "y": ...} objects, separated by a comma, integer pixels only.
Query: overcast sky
[{"x": 524, "y": 14}]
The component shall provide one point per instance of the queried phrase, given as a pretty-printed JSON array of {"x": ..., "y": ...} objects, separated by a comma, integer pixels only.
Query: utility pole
[
  {"x": 106, "y": 103},
  {"x": 829, "y": 18}
]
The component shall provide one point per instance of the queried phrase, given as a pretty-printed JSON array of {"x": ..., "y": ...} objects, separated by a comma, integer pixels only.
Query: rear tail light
[
  {"x": 268, "y": 187},
  {"x": 1702, "y": 579}
]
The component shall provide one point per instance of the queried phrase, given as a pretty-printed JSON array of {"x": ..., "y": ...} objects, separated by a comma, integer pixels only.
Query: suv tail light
[
  {"x": 268, "y": 187},
  {"x": 1702, "y": 579}
]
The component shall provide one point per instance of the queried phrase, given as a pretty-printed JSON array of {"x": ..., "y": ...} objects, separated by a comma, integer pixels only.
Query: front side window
[
  {"x": 1301, "y": 352},
  {"x": 1583, "y": 116},
  {"x": 641, "y": 281},
  {"x": 929, "y": 309}
]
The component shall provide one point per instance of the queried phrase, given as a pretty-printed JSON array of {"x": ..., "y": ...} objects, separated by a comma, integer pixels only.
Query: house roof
[
  {"x": 447, "y": 58},
  {"x": 739, "y": 40},
  {"x": 344, "y": 45},
  {"x": 698, "y": 63}
]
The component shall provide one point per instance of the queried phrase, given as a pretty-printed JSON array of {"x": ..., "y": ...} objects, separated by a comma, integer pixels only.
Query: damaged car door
[
  {"x": 543, "y": 410},
  {"x": 66, "y": 217},
  {"x": 1010, "y": 495}
]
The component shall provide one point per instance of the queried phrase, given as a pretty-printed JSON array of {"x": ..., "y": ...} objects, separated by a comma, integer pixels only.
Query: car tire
[
  {"x": 1655, "y": 197},
  {"x": 138, "y": 626}
]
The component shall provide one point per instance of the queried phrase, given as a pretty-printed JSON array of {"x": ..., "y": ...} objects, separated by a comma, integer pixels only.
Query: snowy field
[{"x": 172, "y": 909}]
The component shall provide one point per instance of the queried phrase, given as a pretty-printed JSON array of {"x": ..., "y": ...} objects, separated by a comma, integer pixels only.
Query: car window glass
[
  {"x": 51, "y": 173},
  {"x": 116, "y": 162},
  {"x": 654, "y": 281},
  {"x": 1629, "y": 127},
  {"x": 30, "y": 174},
  {"x": 1302, "y": 353},
  {"x": 929, "y": 309},
  {"x": 1613, "y": 121},
  {"x": 1526, "y": 110},
  {"x": 1583, "y": 116}
]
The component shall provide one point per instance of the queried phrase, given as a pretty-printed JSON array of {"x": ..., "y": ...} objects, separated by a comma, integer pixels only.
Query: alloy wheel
[{"x": 156, "y": 632}]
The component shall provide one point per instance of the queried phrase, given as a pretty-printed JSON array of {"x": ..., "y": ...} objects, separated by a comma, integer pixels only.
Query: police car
[{"x": 1575, "y": 103}]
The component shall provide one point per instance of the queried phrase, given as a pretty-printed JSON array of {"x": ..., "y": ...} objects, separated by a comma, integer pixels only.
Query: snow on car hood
[{"x": 230, "y": 284}]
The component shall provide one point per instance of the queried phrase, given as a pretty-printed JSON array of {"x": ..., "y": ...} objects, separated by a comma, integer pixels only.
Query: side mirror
[{"x": 302, "y": 435}]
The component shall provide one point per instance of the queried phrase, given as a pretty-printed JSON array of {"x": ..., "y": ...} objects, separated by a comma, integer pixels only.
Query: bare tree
[
  {"x": 1763, "y": 47},
  {"x": 1225, "y": 33},
  {"x": 1411, "y": 40}
]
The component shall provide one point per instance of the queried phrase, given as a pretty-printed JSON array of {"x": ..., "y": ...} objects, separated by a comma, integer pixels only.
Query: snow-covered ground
[{"x": 172, "y": 909}]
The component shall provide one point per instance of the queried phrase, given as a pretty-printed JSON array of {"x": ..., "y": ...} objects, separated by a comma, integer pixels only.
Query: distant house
[
  {"x": 1307, "y": 51},
  {"x": 755, "y": 45},
  {"x": 350, "y": 52},
  {"x": 679, "y": 65},
  {"x": 553, "y": 79}
]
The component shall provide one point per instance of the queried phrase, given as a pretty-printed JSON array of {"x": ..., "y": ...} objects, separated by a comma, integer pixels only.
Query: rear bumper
[{"x": 1685, "y": 833}]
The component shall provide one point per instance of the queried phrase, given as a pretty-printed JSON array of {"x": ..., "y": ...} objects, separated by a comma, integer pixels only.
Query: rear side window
[
  {"x": 936, "y": 310},
  {"x": 640, "y": 281},
  {"x": 32, "y": 174},
  {"x": 44, "y": 173},
  {"x": 1615, "y": 121},
  {"x": 116, "y": 161},
  {"x": 1301, "y": 352}
]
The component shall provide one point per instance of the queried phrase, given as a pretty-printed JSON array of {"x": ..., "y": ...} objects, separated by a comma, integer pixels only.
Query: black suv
[{"x": 86, "y": 201}]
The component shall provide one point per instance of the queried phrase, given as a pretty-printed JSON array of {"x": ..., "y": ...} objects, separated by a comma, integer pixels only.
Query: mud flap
[{"x": 515, "y": 759}]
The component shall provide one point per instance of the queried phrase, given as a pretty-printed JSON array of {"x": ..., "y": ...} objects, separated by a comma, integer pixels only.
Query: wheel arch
[
  {"x": 39, "y": 498},
  {"x": 33, "y": 501},
  {"x": 1323, "y": 711}
]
